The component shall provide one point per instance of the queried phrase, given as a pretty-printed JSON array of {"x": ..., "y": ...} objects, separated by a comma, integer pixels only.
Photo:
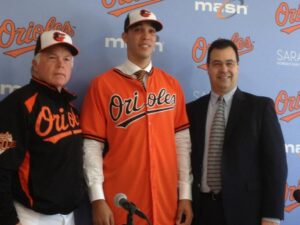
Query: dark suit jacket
[{"x": 254, "y": 167}]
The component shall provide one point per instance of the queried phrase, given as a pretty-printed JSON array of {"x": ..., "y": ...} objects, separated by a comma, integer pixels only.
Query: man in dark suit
[{"x": 250, "y": 173}]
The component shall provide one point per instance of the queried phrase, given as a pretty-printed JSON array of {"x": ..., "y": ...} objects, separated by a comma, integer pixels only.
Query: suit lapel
[
  {"x": 197, "y": 115},
  {"x": 236, "y": 111},
  {"x": 203, "y": 108}
]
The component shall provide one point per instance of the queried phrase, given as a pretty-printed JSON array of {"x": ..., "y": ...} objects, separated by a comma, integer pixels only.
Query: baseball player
[
  {"x": 136, "y": 133},
  {"x": 41, "y": 173}
]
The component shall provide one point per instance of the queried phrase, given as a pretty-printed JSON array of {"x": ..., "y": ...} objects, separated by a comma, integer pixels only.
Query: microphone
[
  {"x": 120, "y": 200},
  {"x": 296, "y": 195}
]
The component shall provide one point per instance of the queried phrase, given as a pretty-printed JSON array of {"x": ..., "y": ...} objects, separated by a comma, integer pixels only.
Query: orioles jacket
[{"x": 40, "y": 152}]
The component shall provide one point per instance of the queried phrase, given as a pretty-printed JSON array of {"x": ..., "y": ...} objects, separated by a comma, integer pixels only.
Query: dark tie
[
  {"x": 215, "y": 147},
  {"x": 140, "y": 76}
]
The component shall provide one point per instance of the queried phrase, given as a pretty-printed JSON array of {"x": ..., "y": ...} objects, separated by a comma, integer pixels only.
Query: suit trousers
[{"x": 210, "y": 211}]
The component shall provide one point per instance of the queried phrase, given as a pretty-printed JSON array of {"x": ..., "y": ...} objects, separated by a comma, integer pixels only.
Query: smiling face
[
  {"x": 140, "y": 40},
  {"x": 223, "y": 70},
  {"x": 54, "y": 66}
]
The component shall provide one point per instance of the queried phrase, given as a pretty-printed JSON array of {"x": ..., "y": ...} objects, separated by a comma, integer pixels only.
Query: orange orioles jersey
[{"x": 138, "y": 125}]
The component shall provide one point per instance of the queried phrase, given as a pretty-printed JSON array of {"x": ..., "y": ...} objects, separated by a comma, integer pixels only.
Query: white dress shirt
[{"x": 212, "y": 107}]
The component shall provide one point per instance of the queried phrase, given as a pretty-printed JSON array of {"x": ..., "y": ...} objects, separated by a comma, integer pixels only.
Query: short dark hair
[
  {"x": 221, "y": 44},
  {"x": 126, "y": 23}
]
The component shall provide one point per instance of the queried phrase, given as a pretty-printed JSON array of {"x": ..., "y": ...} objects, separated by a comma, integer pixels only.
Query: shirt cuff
[
  {"x": 96, "y": 192},
  {"x": 185, "y": 191},
  {"x": 274, "y": 220}
]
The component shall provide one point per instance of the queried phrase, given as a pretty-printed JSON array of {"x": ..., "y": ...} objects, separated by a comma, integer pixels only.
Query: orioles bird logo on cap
[
  {"x": 145, "y": 13},
  {"x": 58, "y": 36}
]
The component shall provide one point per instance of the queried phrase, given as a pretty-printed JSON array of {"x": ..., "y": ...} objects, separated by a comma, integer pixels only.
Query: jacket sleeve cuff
[{"x": 11, "y": 219}]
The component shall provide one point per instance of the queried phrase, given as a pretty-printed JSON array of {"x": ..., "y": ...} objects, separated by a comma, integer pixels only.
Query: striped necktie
[
  {"x": 140, "y": 76},
  {"x": 215, "y": 148}
]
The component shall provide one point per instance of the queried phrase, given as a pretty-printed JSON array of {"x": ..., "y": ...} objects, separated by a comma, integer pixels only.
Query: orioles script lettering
[
  {"x": 61, "y": 124},
  {"x": 10, "y": 34},
  {"x": 119, "y": 106}
]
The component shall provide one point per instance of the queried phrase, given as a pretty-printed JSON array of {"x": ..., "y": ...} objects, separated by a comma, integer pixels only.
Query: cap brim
[
  {"x": 156, "y": 24},
  {"x": 74, "y": 51}
]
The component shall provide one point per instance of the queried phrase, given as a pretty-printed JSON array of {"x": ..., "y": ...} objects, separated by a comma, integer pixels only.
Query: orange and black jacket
[{"x": 40, "y": 152}]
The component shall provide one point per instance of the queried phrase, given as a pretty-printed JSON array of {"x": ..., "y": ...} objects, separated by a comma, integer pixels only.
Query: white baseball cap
[
  {"x": 142, "y": 15},
  {"x": 55, "y": 37}
]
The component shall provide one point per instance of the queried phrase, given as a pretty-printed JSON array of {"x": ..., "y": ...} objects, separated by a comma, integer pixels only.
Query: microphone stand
[{"x": 130, "y": 214}]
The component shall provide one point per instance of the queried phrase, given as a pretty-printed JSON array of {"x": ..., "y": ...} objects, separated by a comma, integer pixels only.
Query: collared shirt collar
[
  {"x": 130, "y": 68},
  {"x": 227, "y": 97}
]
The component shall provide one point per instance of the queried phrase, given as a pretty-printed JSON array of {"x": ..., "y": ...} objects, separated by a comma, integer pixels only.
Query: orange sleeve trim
[
  {"x": 23, "y": 172},
  {"x": 29, "y": 103},
  {"x": 96, "y": 138},
  {"x": 183, "y": 127}
]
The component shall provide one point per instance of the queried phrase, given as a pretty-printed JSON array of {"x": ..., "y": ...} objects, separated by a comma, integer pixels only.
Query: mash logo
[
  {"x": 6, "y": 142},
  {"x": 292, "y": 149},
  {"x": 23, "y": 38},
  {"x": 201, "y": 46},
  {"x": 291, "y": 204},
  {"x": 8, "y": 88},
  {"x": 124, "y": 6},
  {"x": 288, "y": 18},
  {"x": 290, "y": 105},
  {"x": 223, "y": 10}
]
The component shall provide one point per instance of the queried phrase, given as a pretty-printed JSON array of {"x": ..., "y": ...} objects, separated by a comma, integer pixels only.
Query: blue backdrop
[{"x": 266, "y": 32}]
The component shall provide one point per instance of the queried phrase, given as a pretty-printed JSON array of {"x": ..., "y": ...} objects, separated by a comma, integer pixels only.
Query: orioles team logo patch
[
  {"x": 145, "y": 13},
  {"x": 57, "y": 36},
  {"x": 6, "y": 142}
]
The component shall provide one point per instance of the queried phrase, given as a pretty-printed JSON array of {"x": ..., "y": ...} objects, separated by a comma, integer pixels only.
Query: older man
[{"x": 41, "y": 178}]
